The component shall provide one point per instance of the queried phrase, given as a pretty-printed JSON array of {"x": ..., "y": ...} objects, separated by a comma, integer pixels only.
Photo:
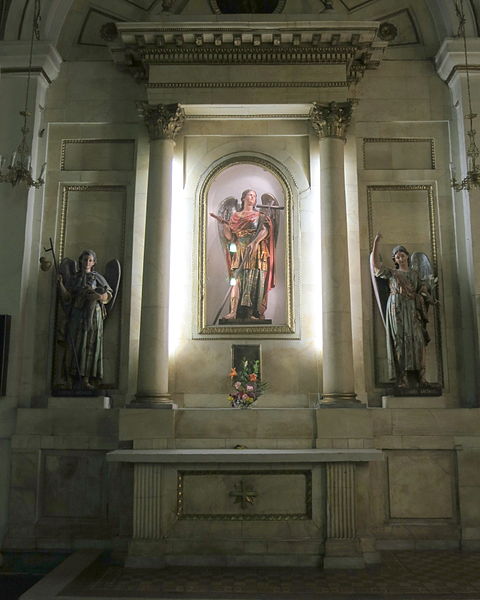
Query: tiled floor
[{"x": 447, "y": 575}]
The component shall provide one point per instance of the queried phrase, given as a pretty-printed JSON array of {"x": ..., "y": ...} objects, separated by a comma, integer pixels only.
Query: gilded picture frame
[
  {"x": 406, "y": 213},
  {"x": 227, "y": 180}
]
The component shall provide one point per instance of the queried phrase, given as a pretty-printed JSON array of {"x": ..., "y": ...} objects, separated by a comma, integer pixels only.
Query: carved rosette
[
  {"x": 332, "y": 119},
  {"x": 163, "y": 121}
]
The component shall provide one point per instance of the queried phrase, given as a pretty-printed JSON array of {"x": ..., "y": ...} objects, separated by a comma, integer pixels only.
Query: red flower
[
  {"x": 252, "y": 377},
  {"x": 233, "y": 372}
]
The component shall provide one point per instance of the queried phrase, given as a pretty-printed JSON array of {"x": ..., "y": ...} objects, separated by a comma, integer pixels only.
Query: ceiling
[{"x": 74, "y": 25}]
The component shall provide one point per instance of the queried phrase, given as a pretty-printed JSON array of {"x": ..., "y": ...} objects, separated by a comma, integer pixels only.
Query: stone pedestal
[
  {"x": 414, "y": 402},
  {"x": 80, "y": 402}
]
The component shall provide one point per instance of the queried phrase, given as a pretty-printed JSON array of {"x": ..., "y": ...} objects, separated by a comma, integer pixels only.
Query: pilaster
[
  {"x": 342, "y": 548},
  {"x": 450, "y": 64}
]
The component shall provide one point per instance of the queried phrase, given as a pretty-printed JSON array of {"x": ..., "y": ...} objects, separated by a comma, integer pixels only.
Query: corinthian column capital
[
  {"x": 332, "y": 119},
  {"x": 163, "y": 121}
]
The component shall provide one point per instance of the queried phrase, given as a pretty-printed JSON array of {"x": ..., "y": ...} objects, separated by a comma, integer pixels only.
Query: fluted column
[
  {"x": 342, "y": 548},
  {"x": 163, "y": 123},
  {"x": 330, "y": 123}
]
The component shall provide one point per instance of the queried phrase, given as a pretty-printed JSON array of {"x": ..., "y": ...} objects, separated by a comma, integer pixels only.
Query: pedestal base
[
  {"x": 85, "y": 402},
  {"x": 340, "y": 401},
  {"x": 343, "y": 554},
  {"x": 414, "y": 402},
  {"x": 161, "y": 401}
]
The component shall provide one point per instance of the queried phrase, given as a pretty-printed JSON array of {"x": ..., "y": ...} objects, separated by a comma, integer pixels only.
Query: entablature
[{"x": 353, "y": 45}]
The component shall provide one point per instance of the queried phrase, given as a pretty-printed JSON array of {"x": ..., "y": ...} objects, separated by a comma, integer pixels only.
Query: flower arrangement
[{"x": 246, "y": 383}]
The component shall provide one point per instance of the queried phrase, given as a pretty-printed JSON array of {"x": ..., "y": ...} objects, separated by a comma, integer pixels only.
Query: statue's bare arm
[{"x": 375, "y": 259}]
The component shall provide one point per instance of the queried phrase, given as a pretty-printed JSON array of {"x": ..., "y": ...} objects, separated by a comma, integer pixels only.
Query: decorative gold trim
[
  {"x": 306, "y": 516},
  {"x": 89, "y": 141},
  {"x": 61, "y": 228},
  {"x": 332, "y": 397},
  {"x": 433, "y": 157},
  {"x": 225, "y": 330},
  {"x": 427, "y": 187},
  {"x": 295, "y": 55},
  {"x": 86, "y": 188},
  {"x": 270, "y": 116},
  {"x": 247, "y": 84},
  {"x": 241, "y": 330}
]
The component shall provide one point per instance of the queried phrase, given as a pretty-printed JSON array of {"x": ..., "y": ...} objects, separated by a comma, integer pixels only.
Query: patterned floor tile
[{"x": 440, "y": 575}]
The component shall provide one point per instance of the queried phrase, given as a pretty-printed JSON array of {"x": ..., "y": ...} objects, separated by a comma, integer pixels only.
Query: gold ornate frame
[
  {"x": 400, "y": 140},
  {"x": 304, "y": 516},
  {"x": 60, "y": 244},
  {"x": 244, "y": 330},
  {"x": 428, "y": 188}
]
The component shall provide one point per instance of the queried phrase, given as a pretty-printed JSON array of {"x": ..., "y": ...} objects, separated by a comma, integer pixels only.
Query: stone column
[
  {"x": 163, "y": 123},
  {"x": 330, "y": 123}
]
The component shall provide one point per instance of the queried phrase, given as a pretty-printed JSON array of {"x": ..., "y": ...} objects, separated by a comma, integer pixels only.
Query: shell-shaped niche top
[{"x": 229, "y": 7}]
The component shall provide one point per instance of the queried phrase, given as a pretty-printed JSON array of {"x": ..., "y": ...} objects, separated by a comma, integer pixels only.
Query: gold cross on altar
[{"x": 243, "y": 496}]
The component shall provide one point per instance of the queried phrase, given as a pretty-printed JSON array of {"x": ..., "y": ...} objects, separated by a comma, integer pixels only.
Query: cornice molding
[
  {"x": 450, "y": 59},
  {"x": 46, "y": 61},
  {"x": 354, "y": 44}
]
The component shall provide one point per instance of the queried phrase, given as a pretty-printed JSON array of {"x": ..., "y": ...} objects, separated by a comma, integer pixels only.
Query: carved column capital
[
  {"x": 163, "y": 121},
  {"x": 332, "y": 119}
]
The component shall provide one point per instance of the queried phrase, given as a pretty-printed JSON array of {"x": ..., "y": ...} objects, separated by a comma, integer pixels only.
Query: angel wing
[
  {"x": 113, "y": 273},
  {"x": 67, "y": 269},
  {"x": 227, "y": 207},
  {"x": 274, "y": 215},
  {"x": 420, "y": 262},
  {"x": 225, "y": 211},
  {"x": 381, "y": 291}
]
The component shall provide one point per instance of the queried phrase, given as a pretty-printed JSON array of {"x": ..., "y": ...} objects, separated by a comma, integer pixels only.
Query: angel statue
[
  {"x": 87, "y": 299},
  {"x": 404, "y": 306},
  {"x": 248, "y": 236}
]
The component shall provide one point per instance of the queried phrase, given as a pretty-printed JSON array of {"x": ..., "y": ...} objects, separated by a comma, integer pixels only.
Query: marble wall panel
[
  {"x": 468, "y": 494},
  {"x": 245, "y": 495},
  {"x": 22, "y": 494},
  {"x": 421, "y": 484},
  {"x": 398, "y": 153},
  {"x": 72, "y": 485},
  {"x": 97, "y": 155}
]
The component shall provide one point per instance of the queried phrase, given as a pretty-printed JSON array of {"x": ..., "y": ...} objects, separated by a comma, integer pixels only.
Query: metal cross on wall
[{"x": 243, "y": 496}]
